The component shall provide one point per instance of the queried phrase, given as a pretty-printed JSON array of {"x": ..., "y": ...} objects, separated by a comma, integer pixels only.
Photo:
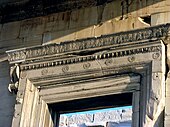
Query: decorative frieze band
[
  {"x": 92, "y": 57},
  {"x": 111, "y": 40}
]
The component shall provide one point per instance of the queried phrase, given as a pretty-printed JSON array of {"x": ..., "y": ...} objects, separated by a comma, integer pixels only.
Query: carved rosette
[
  {"x": 108, "y": 62},
  {"x": 86, "y": 65},
  {"x": 131, "y": 59},
  {"x": 65, "y": 69},
  {"x": 155, "y": 55}
]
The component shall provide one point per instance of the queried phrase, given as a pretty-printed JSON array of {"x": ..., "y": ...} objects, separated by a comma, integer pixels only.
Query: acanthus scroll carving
[{"x": 14, "y": 75}]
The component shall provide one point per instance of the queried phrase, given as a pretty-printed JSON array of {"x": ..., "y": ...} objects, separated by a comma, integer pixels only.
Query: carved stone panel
[{"x": 112, "y": 64}]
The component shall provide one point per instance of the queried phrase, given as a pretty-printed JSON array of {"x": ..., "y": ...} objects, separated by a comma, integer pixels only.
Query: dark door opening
[{"x": 88, "y": 104}]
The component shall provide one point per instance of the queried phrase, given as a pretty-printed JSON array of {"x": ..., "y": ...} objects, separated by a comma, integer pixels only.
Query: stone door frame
[{"x": 134, "y": 61}]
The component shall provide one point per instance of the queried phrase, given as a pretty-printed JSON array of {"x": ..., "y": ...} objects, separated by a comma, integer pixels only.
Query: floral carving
[
  {"x": 108, "y": 62},
  {"x": 86, "y": 65},
  {"x": 131, "y": 59},
  {"x": 65, "y": 68},
  {"x": 155, "y": 55}
]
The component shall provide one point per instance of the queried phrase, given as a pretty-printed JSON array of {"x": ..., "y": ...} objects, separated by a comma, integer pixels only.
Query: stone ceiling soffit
[
  {"x": 19, "y": 10},
  {"x": 132, "y": 81},
  {"x": 116, "y": 78}
]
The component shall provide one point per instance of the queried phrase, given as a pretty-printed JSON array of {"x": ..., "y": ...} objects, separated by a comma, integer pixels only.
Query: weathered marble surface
[{"x": 79, "y": 24}]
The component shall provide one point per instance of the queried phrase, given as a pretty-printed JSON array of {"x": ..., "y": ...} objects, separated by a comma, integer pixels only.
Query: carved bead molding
[
  {"x": 102, "y": 42},
  {"x": 92, "y": 57}
]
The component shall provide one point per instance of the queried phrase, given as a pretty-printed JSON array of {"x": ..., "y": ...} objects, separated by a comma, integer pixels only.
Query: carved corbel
[{"x": 14, "y": 75}]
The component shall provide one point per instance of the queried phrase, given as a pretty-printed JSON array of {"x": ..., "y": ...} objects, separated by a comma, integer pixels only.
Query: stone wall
[{"x": 72, "y": 25}]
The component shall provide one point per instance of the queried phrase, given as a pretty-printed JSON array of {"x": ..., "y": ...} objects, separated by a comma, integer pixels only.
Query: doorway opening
[{"x": 102, "y": 111}]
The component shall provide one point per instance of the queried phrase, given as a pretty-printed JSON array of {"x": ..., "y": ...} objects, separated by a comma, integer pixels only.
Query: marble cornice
[
  {"x": 156, "y": 48},
  {"x": 122, "y": 39}
]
